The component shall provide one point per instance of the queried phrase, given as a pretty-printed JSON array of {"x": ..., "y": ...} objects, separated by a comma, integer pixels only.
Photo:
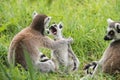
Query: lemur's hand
[{"x": 70, "y": 40}]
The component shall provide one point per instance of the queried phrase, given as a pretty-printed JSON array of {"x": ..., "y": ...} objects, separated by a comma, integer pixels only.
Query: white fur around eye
[
  {"x": 109, "y": 20},
  {"x": 117, "y": 26},
  {"x": 34, "y": 14}
]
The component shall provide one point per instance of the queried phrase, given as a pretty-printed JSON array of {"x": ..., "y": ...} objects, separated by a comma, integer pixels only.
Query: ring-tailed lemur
[
  {"x": 110, "y": 61},
  {"x": 63, "y": 56},
  {"x": 45, "y": 63}
]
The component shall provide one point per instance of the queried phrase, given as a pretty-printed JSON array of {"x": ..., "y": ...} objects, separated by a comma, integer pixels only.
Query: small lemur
[
  {"x": 110, "y": 61},
  {"x": 32, "y": 38},
  {"x": 63, "y": 56}
]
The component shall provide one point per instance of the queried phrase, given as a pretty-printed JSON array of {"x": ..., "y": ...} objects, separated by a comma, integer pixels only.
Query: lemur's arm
[
  {"x": 71, "y": 52},
  {"x": 51, "y": 44}
]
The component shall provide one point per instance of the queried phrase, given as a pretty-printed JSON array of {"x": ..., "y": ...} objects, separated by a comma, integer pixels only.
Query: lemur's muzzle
[
  {"x": 107, "y": 38},
  {"x": 53, "y": 30}
]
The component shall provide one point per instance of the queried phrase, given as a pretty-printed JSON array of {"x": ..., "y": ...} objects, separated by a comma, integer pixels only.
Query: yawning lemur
[
  {"x": 110, "y": 61},
  {"x": 32, "y": 38},
  {"x": 63, "y": 56}
]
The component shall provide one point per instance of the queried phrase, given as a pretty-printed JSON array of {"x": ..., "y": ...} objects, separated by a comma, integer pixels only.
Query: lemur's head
[
  {"x": 56, "y": 29},
  {"x": 113, "y": 30},
  {"x": 40, "y": 22}
]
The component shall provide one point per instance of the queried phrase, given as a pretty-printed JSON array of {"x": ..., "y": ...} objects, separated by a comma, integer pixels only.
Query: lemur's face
[
  {"x": 113, "y": 30},
  {"x": 55, "y": 29},
  {"x": 46, "y": 20}
]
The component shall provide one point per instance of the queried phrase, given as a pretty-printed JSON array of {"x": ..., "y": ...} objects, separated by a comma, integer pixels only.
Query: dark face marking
[
  {"x": 38, "y": 23},
  {"x": 48, "y": 32},
  {"x": 118, "y": 28},
  {"x": 111, "y": 33},
  {"x": 106, "y": 38},
  {"x": 60, "y": 26}
]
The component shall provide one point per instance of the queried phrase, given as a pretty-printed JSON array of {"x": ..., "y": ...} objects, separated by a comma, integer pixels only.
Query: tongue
[{"x": 54, "y": 32}]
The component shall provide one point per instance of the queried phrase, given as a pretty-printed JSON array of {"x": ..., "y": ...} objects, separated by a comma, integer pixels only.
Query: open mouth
[{"x": 53, "y": 30}]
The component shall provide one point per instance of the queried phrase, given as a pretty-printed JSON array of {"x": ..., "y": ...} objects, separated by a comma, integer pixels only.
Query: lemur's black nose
[{"x": 107, "y": 38}]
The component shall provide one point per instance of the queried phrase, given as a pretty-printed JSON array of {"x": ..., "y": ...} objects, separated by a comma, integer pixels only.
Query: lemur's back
[{"x": 112, "y": 62}]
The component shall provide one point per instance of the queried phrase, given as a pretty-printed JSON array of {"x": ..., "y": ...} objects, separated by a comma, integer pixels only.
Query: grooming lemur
[
  {"x": 63, "y": 56},
  {"x": 31, "y": 39},
  {"x": 110, "y": 61}
]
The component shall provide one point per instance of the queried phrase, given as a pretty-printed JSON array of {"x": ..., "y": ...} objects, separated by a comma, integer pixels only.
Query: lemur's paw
[{"x": 70, "y": 40}]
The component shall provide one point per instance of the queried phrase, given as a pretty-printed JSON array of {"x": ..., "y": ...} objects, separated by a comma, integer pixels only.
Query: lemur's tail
[
  {"x": 11, "y": 52},
  {"x": 89, "y": 68},
  {"x": 43, "y": 58},
  {"x": 76, "y": 64}
]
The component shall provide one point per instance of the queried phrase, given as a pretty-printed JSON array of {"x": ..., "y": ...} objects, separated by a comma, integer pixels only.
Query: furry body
[
  {"x": 63, "y": 56},
  {"x": 110, "y": 61},
  {"x": 31, "y": 39}
]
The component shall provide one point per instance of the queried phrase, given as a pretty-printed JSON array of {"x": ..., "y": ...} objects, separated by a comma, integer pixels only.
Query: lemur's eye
[
  {"x": 55, "y": 25},
  {"x": 51, "y": 27},
  {"x": 111, "y": 33},
  {"x": 117, "y": 26},
  {"x": 48, "y": 32},
  {"x": 60, "y": 26}
]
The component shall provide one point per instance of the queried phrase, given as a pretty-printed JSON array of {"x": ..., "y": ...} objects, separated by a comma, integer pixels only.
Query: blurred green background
[{"x": 84, "y": 20}]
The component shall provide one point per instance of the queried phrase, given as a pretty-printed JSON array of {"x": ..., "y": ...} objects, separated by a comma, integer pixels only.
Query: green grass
[{"x": 84, "y": 20}]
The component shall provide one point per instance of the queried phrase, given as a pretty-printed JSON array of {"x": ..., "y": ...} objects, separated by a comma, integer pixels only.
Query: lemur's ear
[
  {"x": 109, "y": 20},
  {"x": 60, "y": 25},
  {"x": 34, "y": 14},
  {"x": 117, "y": 27},
  {"x": 47, "y": 21}
]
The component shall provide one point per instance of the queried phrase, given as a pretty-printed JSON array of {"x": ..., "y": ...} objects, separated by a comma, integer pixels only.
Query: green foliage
[{"x": 84, "y": 20}]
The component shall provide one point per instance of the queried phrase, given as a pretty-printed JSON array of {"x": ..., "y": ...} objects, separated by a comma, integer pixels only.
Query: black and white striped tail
[
  {"x": 90, "y": 66},
  {"x": 75, "y": 66},
  {"x": 43, "y": 58}
]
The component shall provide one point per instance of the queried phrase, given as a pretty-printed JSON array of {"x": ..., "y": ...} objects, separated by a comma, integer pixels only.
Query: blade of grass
[
  {"x": 5, "y": 72},
  {"x": 29, "y": 63}
]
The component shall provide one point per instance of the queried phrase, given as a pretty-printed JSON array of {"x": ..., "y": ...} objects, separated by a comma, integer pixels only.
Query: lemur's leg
[
  {"x": 74, "y": 57},
  {"x": 56, "y": 63}
]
